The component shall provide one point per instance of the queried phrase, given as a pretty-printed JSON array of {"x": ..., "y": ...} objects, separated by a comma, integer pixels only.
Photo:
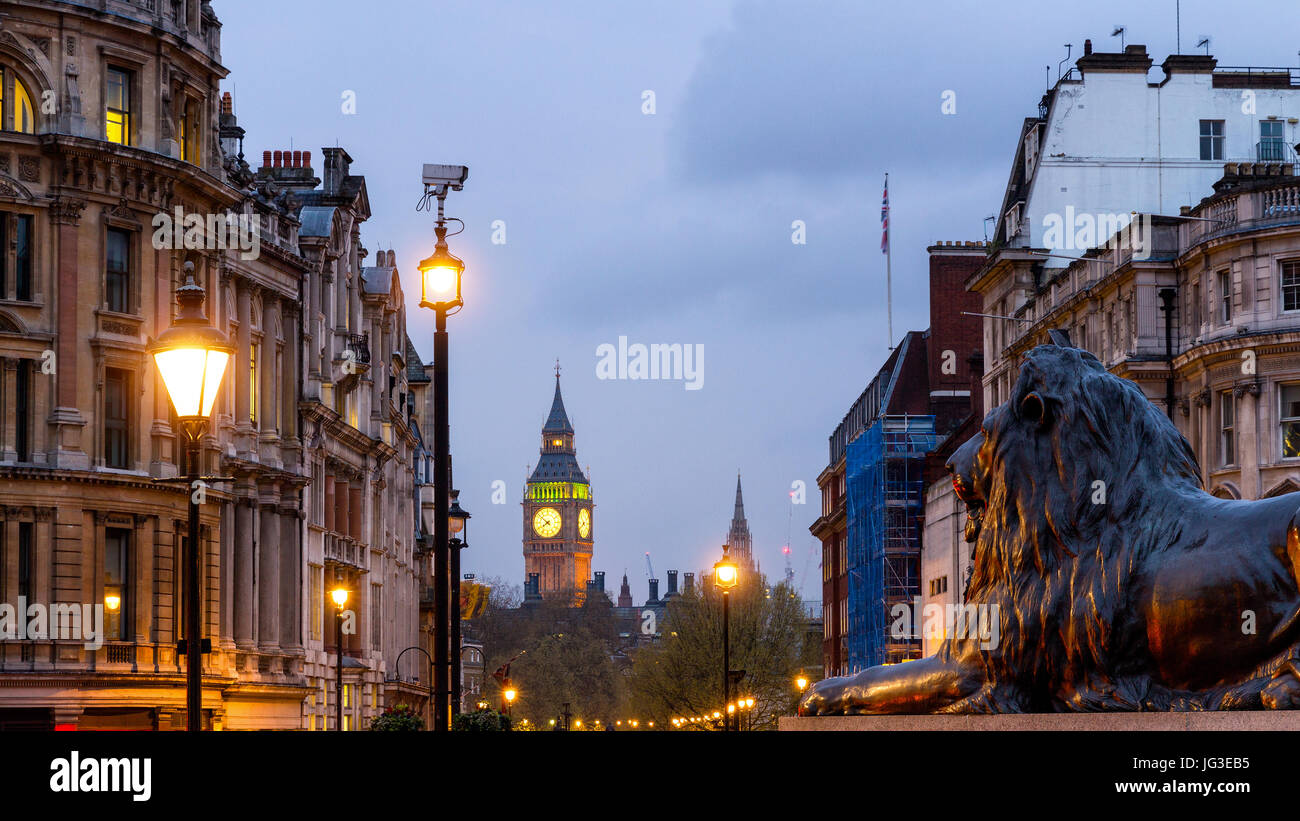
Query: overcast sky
[{"x": 675, "y": 227}]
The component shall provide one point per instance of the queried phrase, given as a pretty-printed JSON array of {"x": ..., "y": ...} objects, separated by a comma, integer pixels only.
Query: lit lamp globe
[
  {"x": 191, "y": 357},
  {"x": 801, "y": 682},
  {"x": 340, "y": 597},
  {"x": 726, "y": 574},
  {"x": 510, "y": 695},
  {"x": 456, "y": 516},
  {"x": 440, "y": 277}
]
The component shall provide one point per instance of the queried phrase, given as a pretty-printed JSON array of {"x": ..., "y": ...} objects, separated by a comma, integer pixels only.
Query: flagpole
[{"x": 889, "y": 279}]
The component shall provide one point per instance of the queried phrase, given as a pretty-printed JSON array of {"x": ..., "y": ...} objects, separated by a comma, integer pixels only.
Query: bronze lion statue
[{"x": 1118, "y": 583}]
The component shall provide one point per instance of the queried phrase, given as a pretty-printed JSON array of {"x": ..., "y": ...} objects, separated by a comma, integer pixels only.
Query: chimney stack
[
  {"x": 654, "y": 592},
  {"x": 688, "y": 582},
  {"x": 599, "y": 580},
  {"x": 227, "y": 105},
  {"x": 672, "y": 583},
  {"x": 1087, "y": 47}
]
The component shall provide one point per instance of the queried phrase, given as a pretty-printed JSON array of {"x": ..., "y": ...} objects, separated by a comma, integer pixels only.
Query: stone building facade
[
  {"x": 1198, "y": 303},
  {"x": 112, "y": 123},
  {"x": 1227, "y": 273}
]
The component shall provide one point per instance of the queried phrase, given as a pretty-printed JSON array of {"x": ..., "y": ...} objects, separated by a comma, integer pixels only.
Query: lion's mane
[{"x": 1082, "y": 484}]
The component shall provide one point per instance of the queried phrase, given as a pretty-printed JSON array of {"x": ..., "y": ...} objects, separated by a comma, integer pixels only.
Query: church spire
[{"x": 738, "y": 535}]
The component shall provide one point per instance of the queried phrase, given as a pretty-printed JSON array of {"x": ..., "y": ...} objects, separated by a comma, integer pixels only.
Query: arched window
[{"x": 16, "y": 113}]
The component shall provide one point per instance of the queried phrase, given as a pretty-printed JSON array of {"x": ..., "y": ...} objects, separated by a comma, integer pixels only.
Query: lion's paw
[
  {"x": 1283, "y": 692},
  {"x": 827, "y": 697}
]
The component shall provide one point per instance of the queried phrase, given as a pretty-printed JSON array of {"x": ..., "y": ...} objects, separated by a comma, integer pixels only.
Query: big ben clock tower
[{"x": 558, "y": 526}]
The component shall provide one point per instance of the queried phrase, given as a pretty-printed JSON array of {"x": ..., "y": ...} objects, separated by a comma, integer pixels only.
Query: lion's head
[{"x": 1053, "y": 484}]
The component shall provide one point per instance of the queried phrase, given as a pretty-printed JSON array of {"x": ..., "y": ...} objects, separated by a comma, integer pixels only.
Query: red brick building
[{"x": 928, "y": 373}]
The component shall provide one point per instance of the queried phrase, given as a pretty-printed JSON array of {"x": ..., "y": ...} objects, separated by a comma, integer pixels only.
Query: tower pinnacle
[{"x": 738, "y": 535}]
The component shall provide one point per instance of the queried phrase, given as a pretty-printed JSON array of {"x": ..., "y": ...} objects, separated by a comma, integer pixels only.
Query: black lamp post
[
  {"x": 191, "y": 356},
  {"x": 397, "y": 667},
  {"x": 340, "y": 596},
  {"x": 726, "y": 575},
  {"x": 440, "y": 277},
  {"x": 457, "y": 518}
]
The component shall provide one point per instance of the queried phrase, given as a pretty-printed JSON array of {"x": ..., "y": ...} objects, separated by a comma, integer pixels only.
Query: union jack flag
[{"x": 884, "y": 219}]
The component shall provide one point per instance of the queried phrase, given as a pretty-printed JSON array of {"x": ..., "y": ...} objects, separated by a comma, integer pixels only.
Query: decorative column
[
  {"x": 65, "y": 419},
  {"x": 268, "y": 577},
  {"x": 330, "y": 502},
  {"x": 354, "y": 509},
  {"x": 142, "y": 574},
  {"x": 1207, "y": 455},
  {"x": 341, "y": 521},
  {"x": 9, "y": 423},
  {"x": 240, "y": 373},
  {"x": 226, "y": 627},
  {"x": 267, "y": 393},
  {"x": 290, "y": 318},
  {"x": 1248, "y": 449},
  {"x": 321, "y": 291},
  {"x": 244, "y": 574},
  {"x": 291, "y": 568}
]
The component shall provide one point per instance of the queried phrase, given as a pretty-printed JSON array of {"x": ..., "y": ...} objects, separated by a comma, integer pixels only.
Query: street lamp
[
  {"x": 397, "y": 668},
  {"x": 191, "y": 357},
  {"x": 726, "y": 575},
  {"x": 509, "y": 694},
  {"x": 340, "y": 597},
  {"x": 440, "y": 281},
  {"x": 801, "y": 682},
  {"x": 456, "y": 520}
]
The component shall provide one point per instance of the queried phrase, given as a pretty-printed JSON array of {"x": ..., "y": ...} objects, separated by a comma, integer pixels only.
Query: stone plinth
[{"x": 1089, "y": 722}]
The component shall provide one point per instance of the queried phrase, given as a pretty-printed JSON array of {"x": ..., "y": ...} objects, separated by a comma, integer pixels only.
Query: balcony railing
[
  {"x": 1272, "y": 205},
  {"x": 1274, "y": 151},
  {"x": 344, "y": 550},
  {"x": 120, "y": 653}
]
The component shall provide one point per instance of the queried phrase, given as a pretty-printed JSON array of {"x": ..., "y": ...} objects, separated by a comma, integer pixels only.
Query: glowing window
[
  {"x": 117, "y": 105},
  {"x": 189, "y": 132},
  {"x": 16, "y": 112}
]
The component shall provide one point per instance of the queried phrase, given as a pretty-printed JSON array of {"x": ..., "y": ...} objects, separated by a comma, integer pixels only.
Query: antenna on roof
[
  {"x": 1068, "y": 47},
  {"x": 1119, "y": 32},
  {"x": 1204, "y": 41},
  {"x": 1178, "y": 27},
  {"x": 992, "y": 218}
]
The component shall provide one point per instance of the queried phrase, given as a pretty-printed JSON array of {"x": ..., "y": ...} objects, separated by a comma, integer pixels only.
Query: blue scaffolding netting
[{"x": 885, "y": 485}]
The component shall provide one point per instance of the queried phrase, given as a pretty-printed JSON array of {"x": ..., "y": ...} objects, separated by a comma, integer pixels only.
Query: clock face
[
  {"x": 546, "y": 522},
  {"x": 584, "y": 523}
]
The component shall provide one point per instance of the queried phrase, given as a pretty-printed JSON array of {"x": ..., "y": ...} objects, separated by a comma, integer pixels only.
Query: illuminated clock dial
[
  {"x": 584, "y": 523},
  {"x": 546, "y": 522}
]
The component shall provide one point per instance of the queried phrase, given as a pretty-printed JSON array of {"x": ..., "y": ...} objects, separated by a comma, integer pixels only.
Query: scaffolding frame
[{"x": 885, "y": 486}]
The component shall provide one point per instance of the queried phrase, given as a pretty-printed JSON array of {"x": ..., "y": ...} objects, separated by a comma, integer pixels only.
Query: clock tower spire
[{"x": 558, "y": 529}]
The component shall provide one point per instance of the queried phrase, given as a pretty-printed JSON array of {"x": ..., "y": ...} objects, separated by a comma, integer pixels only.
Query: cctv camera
[{"x": 453, "y": 176}]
